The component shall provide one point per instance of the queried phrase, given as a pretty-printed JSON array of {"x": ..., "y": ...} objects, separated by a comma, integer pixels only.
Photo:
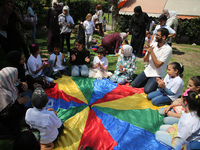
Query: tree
[{"x": 115, "y": 12}]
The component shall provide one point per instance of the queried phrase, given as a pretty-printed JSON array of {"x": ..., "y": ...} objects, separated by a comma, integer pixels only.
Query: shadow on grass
[{"x": 176, "y": 51}]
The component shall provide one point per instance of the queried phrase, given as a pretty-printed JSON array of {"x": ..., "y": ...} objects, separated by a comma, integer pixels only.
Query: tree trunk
[{"x": 115, "y": 13}]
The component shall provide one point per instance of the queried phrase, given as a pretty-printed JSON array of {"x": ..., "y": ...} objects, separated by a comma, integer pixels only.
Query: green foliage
[
  {"x": 189, "y": 28},
  {"x": 123, "y": 22}
]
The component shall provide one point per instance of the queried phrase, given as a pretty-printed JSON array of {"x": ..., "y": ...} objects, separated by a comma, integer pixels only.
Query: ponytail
[{"x": 179, "y": 67}]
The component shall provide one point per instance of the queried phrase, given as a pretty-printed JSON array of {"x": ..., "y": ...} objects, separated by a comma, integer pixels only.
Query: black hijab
[
  {"x": 139, "y": 19},
  {"x": 13, "y": 59}
]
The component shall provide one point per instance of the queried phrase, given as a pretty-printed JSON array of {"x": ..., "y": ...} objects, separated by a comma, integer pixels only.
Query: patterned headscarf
[{"x": 8, "y": 91}]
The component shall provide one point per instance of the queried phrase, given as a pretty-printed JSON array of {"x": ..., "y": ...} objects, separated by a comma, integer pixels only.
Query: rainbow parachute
[{"x": 104, "y": 115}]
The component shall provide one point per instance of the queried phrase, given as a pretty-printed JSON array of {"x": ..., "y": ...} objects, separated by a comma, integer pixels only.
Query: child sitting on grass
[
  {"x": 59, "y": 60},
  {"x": 169, "y": 89},
  {"x": 46, "y": 121},
  {"x": 100, "y": 65}
]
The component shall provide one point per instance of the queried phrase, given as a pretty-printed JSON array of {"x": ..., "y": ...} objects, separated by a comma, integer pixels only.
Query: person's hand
[
  {"x": 73, "y": 57},
  {"x": 158, "y": 80},
  {"x": 46, "y": 65},
  {"x": 87, "y": 59},
  {"x": 59, "y": 23},
  {"x": 51, "y": 109},
  {"x": 121, "y": 67},
  {"x": 68, "y": 25},
  {"x": 148, "y": 48},
  {"x": 162, "y": 85},
  {"x": 127, "y": 34},
  {"x": 166, "y": 109},
  {"x": 35, "y": 85},
  {"x": 171, "y": 129},
  {"x": 23, "y": 100},
  {"x": 45, "y": 27},
  {"x": 24, "y": 86}
]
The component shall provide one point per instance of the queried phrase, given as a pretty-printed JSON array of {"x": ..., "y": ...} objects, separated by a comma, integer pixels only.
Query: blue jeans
[
  {"x": 48, "y": 71},
  {"x": 29, "y": 95},
  {"x": 149, "y": 83},
  {"x": 78, "y": 70},
  {"x": 193, "y": 145},
  {"x": 169, "y": 119},
  {"x": 33, "y": 33},
  {"x": 164, "y": 137},
  {"x": 159, "y": 98}
]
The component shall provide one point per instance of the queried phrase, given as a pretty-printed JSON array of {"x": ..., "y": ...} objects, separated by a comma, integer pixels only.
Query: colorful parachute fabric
[{"x": 104, "y": 115}]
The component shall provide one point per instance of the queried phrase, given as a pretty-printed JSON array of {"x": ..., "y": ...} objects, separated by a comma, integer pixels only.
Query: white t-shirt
[
  {"x": 103, "y": 61},
  {"x": 100, "y": 14},
  {"x": 69, "y": 20},
  {"x": 163, "y": 54},
  {"x": 189, "y": 127},
  {"x": 34, "y": 64},
  {"x": 175, "y": 85},
  {"x": 89, "y": 25},
  {"x": 171, "y": 31},
  {"x": 45, "y": 121},
  {"x": 58, "y": 65}
]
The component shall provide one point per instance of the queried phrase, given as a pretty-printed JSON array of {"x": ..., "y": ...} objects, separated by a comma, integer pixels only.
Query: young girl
[
  {"x": 126, "y": 66},
  {"x": 66, "y": 22},
  {"x": 88, "y": 25},
  {"x": 79, "y": 59},
  {"x": 188, "y": 128},
  {"x": 100, "y": 65},
  {"x": 172, "y": 116},
  {"x": 35, "y": 65},
  {"x": 169, "y": 89},
  {"x": 59, "y": 60}
]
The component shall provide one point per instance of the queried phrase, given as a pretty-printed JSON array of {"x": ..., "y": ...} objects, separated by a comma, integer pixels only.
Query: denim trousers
[
  {"x": 79, "y": 70},
  {"x": 169, "y": 119},
  {"x": 159, "y": 98},
  {"x": 149, "y": 83}
]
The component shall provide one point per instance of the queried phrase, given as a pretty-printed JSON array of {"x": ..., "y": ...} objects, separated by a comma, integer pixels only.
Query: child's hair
[
  {"x": 125, "y": 41},
  {"x": 39, "y": 98},
  {"x": 193, "y": 100},
  {"x": 179, "y": 67},
  {"x": 33, "y": 48},
  {"x": 57, "y": 45},
  {"x": 162, "y": 17},
  {"x": 78, "y": 41},
  {"x": 101, "y": 50},
  {"x": 196, "y": 80},
  {"x": 88, "y": 15},
  {"x": 29, "y": 139}
]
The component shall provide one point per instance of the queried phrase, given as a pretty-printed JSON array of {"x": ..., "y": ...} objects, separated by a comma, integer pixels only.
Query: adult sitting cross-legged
[{"x": 157, "y": 58}]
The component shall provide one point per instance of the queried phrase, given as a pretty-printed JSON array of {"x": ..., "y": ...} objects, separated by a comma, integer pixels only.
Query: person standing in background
[
  {"x": 172, "y": 21},
  {"x": 139, "y": 24},
  {"x": 52, "y": 25},
  {"x": 31, "y": 13},
  {"x": 100, "y": 15}
]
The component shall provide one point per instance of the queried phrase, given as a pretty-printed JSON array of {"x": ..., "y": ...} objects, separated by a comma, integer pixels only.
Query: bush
[{"x": 123, "y": 22}]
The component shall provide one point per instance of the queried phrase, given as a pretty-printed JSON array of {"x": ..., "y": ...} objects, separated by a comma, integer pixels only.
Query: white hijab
[
  {"x": 8, "y": 91},
  {"x": 54, "y": 1},
  {"x": 128, "y": 50},
  {"x": 123, "y": 35},
  {"x": 173, "y": 15}
]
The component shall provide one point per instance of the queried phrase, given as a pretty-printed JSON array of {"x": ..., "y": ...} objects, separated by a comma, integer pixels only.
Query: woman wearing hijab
[
  {"x": 12, "y": 110},
  {"x": 126, "y": 66},
  {"x": 138, "y": 26},
  {"x": 65, "y": 22},
  {"x": 111, "y": 43},
  {"x": 52, "y": 25},
  {"x": 172, "y": 21},
  {"x": 5, "y": 12}
]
